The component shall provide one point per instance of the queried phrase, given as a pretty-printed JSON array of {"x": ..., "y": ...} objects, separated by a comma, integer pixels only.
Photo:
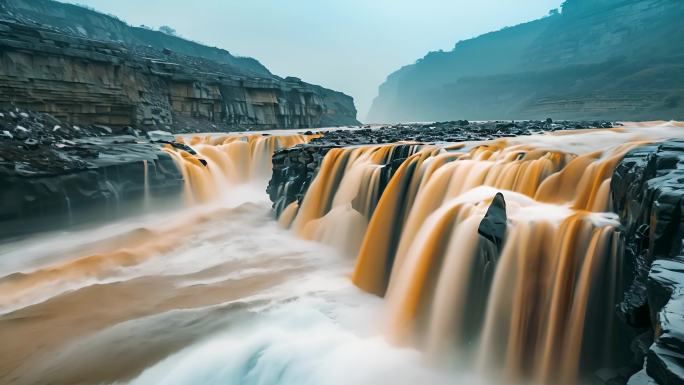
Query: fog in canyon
[
  {"x": 349, "y": 46},
  {"x": 188, "y": 195}
]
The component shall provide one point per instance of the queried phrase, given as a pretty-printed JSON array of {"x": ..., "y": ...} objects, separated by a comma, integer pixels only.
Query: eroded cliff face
[
  {"x": 607, "y": 59},
  {"x": 84, "y": 81},
  {"x": 647, "y": 193},
  {"x": 86, "y": 23}
]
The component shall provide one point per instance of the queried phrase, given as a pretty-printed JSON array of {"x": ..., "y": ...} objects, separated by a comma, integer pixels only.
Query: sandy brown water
[{"x": 105, "y": 310}]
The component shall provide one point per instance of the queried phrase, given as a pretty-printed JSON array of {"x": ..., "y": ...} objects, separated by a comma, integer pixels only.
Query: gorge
[
  {"x": 595, "y": 59},
  {"x": 552, "y": 257},
  {"x": 171, "y": 213}
]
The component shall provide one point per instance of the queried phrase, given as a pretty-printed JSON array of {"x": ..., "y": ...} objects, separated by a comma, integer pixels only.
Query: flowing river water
[{"x": 361, "y": 284}]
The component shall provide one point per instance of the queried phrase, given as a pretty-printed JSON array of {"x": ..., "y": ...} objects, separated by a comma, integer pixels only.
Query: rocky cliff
[
  {"x": 648, "y": 193},
  {"x": 605, "y": 59},
  {"x": 84, "y": 67},
  {"x": 54, "y": 174}
]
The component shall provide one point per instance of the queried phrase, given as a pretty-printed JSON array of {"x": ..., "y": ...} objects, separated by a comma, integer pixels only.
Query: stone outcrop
[
  {"x": 648, "y": 193},
  {"x": 82, "y": 74},
  {"x": 598, "y": 59},
  {"x": 293, "y": 170},
  {"x": 492, "y": 233},
  {"x": 493, "y": 225},
  {"x": 55, "y": 175}
]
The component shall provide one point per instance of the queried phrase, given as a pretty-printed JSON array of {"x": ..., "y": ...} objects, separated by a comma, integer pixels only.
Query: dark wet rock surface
[
  {"x": 452, "y": 131},
  {"x": 293, "y": 171},
  {"x": 55, "y": 174},
  {"x": 648, "y": 188},
  {"x": 493, "y": 225},
  {"x": 492, "y": 231}
]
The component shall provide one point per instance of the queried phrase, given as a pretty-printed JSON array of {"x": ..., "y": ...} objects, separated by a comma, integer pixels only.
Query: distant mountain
[
  {"x": 596, "y": 59},
  {"x": 81, "y": 21}
]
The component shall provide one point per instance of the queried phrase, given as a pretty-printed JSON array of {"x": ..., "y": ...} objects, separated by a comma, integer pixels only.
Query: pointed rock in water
[
  {"x": 493, "y": 225},
  {"x": 492, "y": 231}
]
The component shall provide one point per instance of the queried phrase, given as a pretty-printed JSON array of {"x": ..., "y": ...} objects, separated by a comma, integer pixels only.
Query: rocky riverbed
[
  {"x": 57, "y": 174},
  {"x": 54, "y": 173}
]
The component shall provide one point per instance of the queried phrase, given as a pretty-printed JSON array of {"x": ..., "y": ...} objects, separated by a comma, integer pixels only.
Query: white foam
[{"x": 308, "y": 341}]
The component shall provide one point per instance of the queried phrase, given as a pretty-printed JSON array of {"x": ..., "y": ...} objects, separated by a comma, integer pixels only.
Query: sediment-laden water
[{"x": 218, "y": 291}]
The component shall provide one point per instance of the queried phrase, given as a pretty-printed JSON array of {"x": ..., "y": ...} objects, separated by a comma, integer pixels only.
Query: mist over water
[
  {"x": 212, "y": 292},
  {"x": 306, "y": 324},
  {"x": 341, "y": 192},
  {"x": 326, "y": 338},
  {"x": 217, "y": 291}
]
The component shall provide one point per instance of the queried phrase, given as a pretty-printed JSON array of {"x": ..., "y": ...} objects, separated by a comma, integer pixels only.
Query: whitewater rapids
[
  {"x": 231, "y": 298},
  {"x": 218, "y": 292}
]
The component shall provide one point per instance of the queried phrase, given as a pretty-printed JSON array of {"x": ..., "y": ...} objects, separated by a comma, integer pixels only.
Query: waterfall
[
  {"x": 222, "y": 162},
  {"x": 212, "y": 166},
  {"x": 341, "y": 200},
  {"x": 498, "y": 255},
  {"x": 524, "y": 311}
]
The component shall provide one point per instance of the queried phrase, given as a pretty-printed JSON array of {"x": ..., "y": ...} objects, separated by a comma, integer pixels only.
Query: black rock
[
  {"x": 493, "y": 225},
  {"x": 648, "y": 189},
  {"x": 57, "y": 175}
]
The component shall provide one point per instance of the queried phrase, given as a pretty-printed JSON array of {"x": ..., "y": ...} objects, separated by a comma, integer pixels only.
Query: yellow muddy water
[
  {"x": 218, "y": 292},
  {"x": 417, "y": 245}
]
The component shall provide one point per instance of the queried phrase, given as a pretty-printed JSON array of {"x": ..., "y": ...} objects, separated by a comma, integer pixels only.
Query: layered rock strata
[
  {"x": 600, "y": 59},
  {"x": 85, "y": 81}
]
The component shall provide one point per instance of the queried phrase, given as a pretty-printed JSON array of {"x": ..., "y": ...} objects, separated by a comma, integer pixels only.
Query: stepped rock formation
[
  {"x": 84, "y": 67},
  {"x": 514, "y": 252},
  {"x": 598, "y": 59}
]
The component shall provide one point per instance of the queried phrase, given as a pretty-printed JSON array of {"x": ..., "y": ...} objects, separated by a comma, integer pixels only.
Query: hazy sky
[{"x": 346, "y": 45}]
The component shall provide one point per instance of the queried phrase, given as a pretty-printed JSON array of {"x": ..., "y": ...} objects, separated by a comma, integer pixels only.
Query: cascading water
[
  {"x": 225, "y": 161},
  {"x": 162, "y": 280},
  {"x": 221, "y": 165},
  {"x": 530, "y": 314},
  {"x": 340, "y": 202},
  {"x": 497, "y": 260}
]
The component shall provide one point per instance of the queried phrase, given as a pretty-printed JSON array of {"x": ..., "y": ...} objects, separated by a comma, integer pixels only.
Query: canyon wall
[
  {"x": 84, "y": 68},
  {"x": 608, "y": 59}
]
